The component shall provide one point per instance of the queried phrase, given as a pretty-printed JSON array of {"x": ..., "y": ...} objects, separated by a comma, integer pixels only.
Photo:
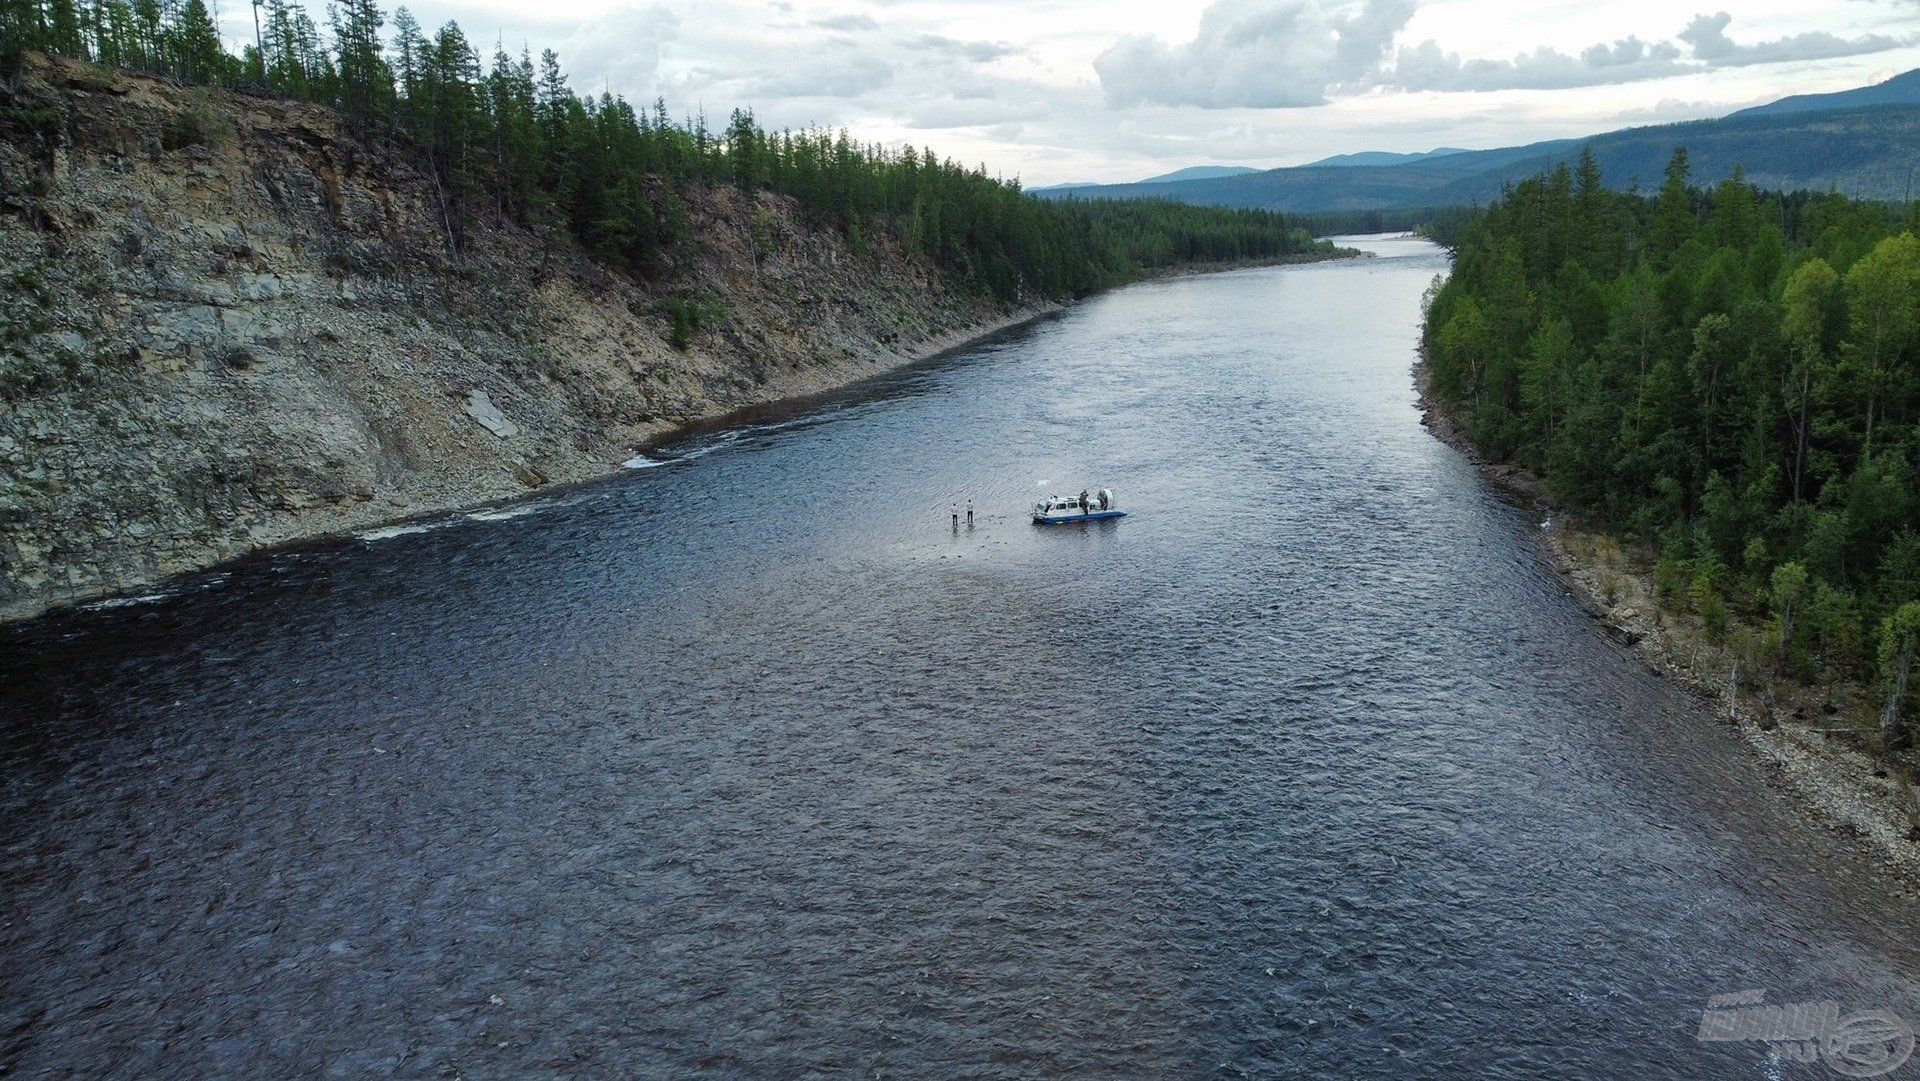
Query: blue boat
[{"x": 1085, "y": 507}]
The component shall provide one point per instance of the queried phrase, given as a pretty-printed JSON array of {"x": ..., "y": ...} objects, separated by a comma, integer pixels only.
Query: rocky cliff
[{"x": 228, "y": 323}]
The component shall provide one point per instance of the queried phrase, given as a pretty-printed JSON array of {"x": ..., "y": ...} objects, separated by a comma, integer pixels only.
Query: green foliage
[
  {"x": 197, "y": 125},
  {"x": 686, "y": 316},
  {"x": 1899, "y": 636},
  {"x": 1731, "y": 374},
  {"x": 1711, "y": 607},
  {"x": 1787, "y": 590},
  {"x": 177, "y": 38},
  {"x": 511, "y": 137}
]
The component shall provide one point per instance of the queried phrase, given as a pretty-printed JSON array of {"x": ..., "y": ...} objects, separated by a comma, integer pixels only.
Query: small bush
[
  {"x": 680, "y": 320},
  {"x": 182, "y": 130},
  {"x": 197, "y": 125},
  {"x": 1671, "y": 578},
  {"x": 1609, "y": 587},
  {"x": 33, "y": 120},
  {"x": 687, "y": 316},
  {"x": 92, "y": 78},
  {"x": 1711, "y": 608}
]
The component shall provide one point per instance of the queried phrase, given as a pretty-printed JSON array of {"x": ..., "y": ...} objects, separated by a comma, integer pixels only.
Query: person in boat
[{"x": 1084, "y": 505}]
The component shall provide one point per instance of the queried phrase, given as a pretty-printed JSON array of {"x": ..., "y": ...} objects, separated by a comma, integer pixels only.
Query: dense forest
[
  {"x": 508, "y": 135},
  {"x": 1730, "y": 375}
]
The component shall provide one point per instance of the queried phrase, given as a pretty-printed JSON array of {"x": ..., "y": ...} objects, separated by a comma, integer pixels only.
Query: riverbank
[
  {"x": 1819, "y": 741},
  {"x": 1296, "y": 259},
  {"x": 231, "y": 323},
  {"x": 464, "y": 481},
  {"x": 472, "y": 463}
]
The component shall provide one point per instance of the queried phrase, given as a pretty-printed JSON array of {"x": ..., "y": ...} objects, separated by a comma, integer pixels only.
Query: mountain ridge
[
  {"x": 1902, "y": 89},
  {"x": 1383, "y": 158},
  {"x": 1200, "y": 172},
  {"x": 1855, "y": 142}
]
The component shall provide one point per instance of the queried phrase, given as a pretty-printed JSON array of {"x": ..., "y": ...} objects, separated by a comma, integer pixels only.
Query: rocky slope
[{"x": 227, "y": 323}]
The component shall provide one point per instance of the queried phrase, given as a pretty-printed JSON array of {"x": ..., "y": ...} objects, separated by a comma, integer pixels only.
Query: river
[{"x": 751, "y": 764}]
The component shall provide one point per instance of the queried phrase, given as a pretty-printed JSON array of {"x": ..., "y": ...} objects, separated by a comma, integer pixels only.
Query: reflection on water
[{"x": 753, "y": 766}]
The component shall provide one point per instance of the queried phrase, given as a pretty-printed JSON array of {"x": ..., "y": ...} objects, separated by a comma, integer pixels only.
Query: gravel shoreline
[
  {"x": 1811, "y": 737},
  {"x": 457, "y": 486}
]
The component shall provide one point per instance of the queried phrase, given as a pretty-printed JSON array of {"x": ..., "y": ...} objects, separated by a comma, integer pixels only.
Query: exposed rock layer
[{"x": 228, "y": 323}]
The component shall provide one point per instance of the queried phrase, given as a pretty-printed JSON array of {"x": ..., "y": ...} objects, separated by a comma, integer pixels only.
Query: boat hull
[{"x": 1069, "y": 519}]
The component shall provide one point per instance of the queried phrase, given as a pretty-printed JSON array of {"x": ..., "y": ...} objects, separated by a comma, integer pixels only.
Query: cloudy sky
[{"x": 1104, "y": 90}]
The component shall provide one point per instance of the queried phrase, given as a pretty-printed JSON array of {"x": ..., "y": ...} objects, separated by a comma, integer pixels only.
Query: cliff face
[{"x": 228, "y": 323}]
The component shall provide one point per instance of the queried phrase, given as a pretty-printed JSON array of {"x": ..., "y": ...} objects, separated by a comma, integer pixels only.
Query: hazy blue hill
[
  {"x": 1200, "y": 172},
  {"x": 1899, "y": 90},
  {"x": 1328, "y": 188},
  {"x": 1322, "y": 187},
  {"x": 1862, "y": 151},
  {"x": 1382, "y": 157},
  {"x": 1191, "y": 172}
]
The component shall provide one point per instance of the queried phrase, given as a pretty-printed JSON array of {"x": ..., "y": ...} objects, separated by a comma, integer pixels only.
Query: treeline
[
  {"x": 508, "y": 135},
  {"x": 1343, "y": 222},
  {"x": 1731, "y": 375}
]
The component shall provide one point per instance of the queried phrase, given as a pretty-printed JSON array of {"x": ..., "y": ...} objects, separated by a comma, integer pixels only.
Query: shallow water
[{"x": 749, "y": 764}]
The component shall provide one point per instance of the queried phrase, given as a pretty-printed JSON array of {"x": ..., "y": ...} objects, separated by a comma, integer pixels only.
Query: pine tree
[
  {"x": 22, "y": 27},
  {"x": 63, "y": 29},
  {"x": 1674, "y": 217},
  {"x": 1883, "y": 305},
  {"x": 193, "y": 45},
  {"x": 409, "y": 50},
  {"x": 365, "y": 91}
]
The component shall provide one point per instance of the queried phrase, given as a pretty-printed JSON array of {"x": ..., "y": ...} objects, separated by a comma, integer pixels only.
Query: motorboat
[{"x": 1085, "y": 507}]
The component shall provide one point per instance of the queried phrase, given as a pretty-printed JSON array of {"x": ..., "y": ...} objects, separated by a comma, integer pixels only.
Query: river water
[{"x": 750, "y": 764}]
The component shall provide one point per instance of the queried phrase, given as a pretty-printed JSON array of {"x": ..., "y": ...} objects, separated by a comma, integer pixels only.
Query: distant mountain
[
  {"x": 1381, "y": 157},
  {"x": 1864, "y": 151},
  {"x": 1899, "y": 90},
  {"x": 1200, "y": 172},
  {"x": 1309, "y": 188}
]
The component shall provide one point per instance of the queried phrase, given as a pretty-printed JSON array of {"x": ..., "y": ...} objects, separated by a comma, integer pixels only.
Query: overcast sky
[{"x": 1105, "y": 90}]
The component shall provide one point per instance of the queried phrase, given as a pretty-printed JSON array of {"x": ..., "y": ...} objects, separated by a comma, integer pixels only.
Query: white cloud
[
  {"x": 977, "y": 51},
  {"x": 1118, "y": 89},
  {"x": 856, "y": 21},
  {"x": 1259, "y": 53},
  {"x": 1426, "y": 67},
  {"x": 1708, "y": 36},
  {"x": 1293, "y": 53},
  {"x": 819, "y": 73},
  {"x": 619, "y": 49}
]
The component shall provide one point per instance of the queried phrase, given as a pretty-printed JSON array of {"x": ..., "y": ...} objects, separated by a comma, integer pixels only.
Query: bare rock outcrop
[{"x": 226, "y": 323}]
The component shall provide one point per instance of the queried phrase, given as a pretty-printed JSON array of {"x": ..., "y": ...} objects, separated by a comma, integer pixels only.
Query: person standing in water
[{"x": 969, "y": 514}]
